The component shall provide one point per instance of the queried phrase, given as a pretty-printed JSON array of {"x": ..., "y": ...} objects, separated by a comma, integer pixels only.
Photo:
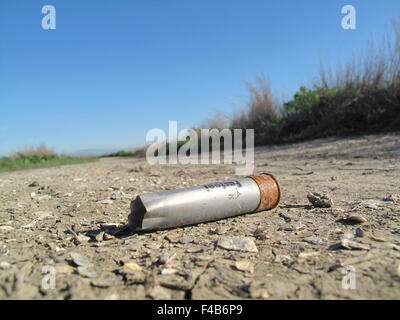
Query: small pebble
[
  {"x": 258, "y": 291},
  {"x": 7, "y": 228},
  {"x": 86, "y": 272},
  {"x": 314, "y": 240},
  {"x": 319, "y": 200},
  {"x": 107, "y": 237},
  {"x": 352, "y": 245},
  {"x": 83, "y": 238},
  {"x": 45, "y": 197},
  {"x": 164, "y": 259},
  {"x": 295, "y": 226},
  {"x": 80, "y": 260},
  {"x": 29, "y": 225},
  {"x": 4, "y": 265},
  {"x": 398, "y": 270},
  {"x": 261, "y": 233},
  {"x": 393, "y": 198},
  {"x": 159, "y": 293},
  {"x": 281, "y": 258},
  {"x": 132, "y": 266},
  {"x": 106, "y": 201},
  {"x": 360, "y": 232},
  {"x": 305, "y": 255},
  {"x": 185, "y": 240},
  {"x": 194, "y": 250},
  {"x": 372, "y": 204},
  {"x": 99, "y": 237},
  {"x": 356, "y": 219},
  {"x": 103, "y": 283},
  {"x": 237, "y": 244},
  {"x": 348, "y": 235},
  {"x": 378, "y": 239},
  {"x": 43, "y": 214},
  {"x": 153, "y": 246},
  {"x": 244, "y": 266},
  {"x": 167, "y": 271}
]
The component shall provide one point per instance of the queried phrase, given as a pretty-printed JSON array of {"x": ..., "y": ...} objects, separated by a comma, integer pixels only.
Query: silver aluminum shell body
[{"x": 194, "y": 205}]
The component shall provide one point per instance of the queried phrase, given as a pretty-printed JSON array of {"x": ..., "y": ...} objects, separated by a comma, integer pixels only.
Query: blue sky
[{"x": 112, "y": 70}]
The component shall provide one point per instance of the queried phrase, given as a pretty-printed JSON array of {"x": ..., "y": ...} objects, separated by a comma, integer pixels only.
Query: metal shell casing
[{"x": 193, "y": 205}]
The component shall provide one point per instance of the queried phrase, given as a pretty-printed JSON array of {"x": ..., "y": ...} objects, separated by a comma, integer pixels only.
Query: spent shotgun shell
[{"x": 214, "y": 201}]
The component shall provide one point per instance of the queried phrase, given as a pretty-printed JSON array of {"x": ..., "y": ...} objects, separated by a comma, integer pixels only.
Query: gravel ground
[{"x": 57, "y": 226}]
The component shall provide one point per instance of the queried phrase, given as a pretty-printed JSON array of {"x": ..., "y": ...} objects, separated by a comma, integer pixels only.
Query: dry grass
[
  {"x": 41, "y": 150},
  {"x": 379, "y": 68},
  {"x": 361, "y": 96},
  {"x": 219, "y": 121}
]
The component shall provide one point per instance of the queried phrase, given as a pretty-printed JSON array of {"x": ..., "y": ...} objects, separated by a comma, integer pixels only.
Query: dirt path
[{"x": 47, "y": 229}]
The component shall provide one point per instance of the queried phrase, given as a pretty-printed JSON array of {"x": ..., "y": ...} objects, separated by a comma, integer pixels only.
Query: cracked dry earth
[{"x": 57, "y": 230}]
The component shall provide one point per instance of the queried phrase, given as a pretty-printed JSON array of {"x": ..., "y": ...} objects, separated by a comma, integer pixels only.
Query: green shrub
[
  {"x": 21, "y": 160},
  {"x": 138, "y": 153},
  {"x": 304, "y": 101}
]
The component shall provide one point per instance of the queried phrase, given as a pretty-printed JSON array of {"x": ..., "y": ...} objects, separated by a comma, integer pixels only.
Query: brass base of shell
[{"x": 270, "y": 193}]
